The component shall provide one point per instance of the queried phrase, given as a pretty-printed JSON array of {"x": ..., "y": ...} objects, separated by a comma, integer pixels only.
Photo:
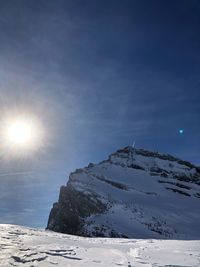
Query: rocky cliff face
[{"x": 135, "y": 194}]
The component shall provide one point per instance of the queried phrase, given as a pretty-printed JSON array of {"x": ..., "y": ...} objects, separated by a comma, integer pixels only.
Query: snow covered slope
[
  {"x": 134, "y": 194},
  {"x": 25, "y": 247}
]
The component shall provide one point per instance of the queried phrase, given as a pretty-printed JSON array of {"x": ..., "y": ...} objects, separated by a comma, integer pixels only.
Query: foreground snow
[{"x": 21, "y": 246}]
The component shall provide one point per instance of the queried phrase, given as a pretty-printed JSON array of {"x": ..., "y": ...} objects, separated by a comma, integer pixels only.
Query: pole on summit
[
  {"x": 132, "y": 151},
  {"x": 133, "y": 145}
]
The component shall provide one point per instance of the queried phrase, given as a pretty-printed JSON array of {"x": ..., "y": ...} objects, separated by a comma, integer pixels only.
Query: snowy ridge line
[{"x": 148, "y": 153}]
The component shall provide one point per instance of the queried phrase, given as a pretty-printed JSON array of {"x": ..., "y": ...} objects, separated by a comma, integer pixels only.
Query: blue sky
[{"x": 97, "y": 74}]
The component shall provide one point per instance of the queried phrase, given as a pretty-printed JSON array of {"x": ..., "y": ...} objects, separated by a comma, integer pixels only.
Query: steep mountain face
[{"x": 134, "y": 194}]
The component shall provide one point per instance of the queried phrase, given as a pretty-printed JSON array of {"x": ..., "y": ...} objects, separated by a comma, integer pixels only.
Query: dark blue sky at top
[{"x": 98, "y": 74}]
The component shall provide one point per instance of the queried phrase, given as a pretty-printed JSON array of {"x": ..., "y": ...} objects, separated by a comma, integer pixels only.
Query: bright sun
[{"x": 22, "y": 133}]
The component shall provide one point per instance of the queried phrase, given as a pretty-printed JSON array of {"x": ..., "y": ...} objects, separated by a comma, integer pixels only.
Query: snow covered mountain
[
  {"x": 21, "y": 246},
  {"x": 133, "y": 194}
]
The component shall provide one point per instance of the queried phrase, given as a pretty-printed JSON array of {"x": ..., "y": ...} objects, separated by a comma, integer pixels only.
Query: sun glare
[
  {"x": 19, "y": 133},
  {"x": 22, "y": 133}
]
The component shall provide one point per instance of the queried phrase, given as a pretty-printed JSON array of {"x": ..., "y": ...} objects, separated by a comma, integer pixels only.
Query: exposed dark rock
[
  {"x": 178, "y": 191},
  {"x": 115, "y": 184},
  {"x": 137, "y": 167},
  {"x": 176, "y": 184},
  {"x": 67, "y": 216}
]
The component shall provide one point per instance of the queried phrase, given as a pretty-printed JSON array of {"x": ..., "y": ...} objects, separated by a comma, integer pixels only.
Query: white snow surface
[{"x": 26, "y": 247}]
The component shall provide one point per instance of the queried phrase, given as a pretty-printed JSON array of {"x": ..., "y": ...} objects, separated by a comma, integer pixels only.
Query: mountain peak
[
  {"x": 132, "y": 153},
  {"x": 135, "y": 193}
]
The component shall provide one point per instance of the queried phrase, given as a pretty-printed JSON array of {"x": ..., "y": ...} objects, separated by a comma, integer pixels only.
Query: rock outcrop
[{"x": 135, "y": 194}]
